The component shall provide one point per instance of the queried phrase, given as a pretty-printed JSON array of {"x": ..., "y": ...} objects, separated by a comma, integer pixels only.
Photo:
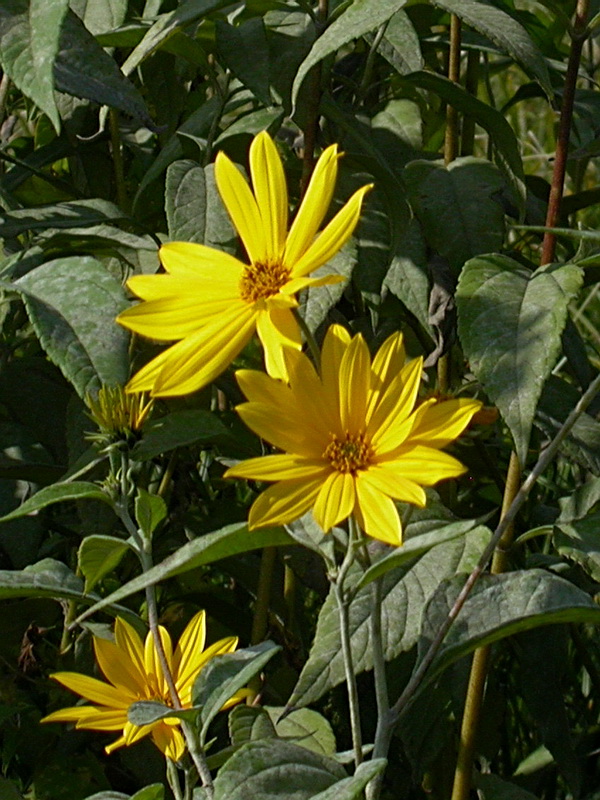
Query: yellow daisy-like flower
[
  {"x": 355, "y": 439},
  {"x": 211, "y": 303},
  {"x": 134, "y": 672}
]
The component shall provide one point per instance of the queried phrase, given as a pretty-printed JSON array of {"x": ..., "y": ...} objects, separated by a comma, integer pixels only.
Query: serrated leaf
[
  {"x": 352, "y": 788},
  {"x": 404, "y": 594},
  {"x": 510, "y": 323},
  {"x": 84, "y": 69},
  {"x": 271, "y": 768},
  {"x": 506, "y": 147},
  {"x": 150, "y": 510},
  {"x": 29, "y": 37},
  {"x": 210, "y": 547},
  {"x": 305, "y": 727},
  {"x": 179, "y": 429},
  {"x": 98, "y": 555},
  {"x": 499, "y": 606},
  {"x": 58, "y": 493},
  {"x": 361, "y": 17},
  {"x": 456, "y": 207},
  {"x": 82, "y": 338},
  {"x": 249, "y": 723},
  {"x": 506, "y": 32},
  {"x": 224, "y": 675},
  {"x": 244, "y": 50}
]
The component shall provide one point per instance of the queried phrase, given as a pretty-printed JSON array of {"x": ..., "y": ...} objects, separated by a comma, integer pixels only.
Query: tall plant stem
[
  {"x": 579, "y": 34},
  {"x": 312, "y": 111},
  {"x": 117, "y": 158},
  {"x": 467, "y": 140},
  {"x": 310, "y": 339},
  {"x": 381, "y": 687},
  {"x": 479, "y": 666},
  {"x": 546, "y": 457}
]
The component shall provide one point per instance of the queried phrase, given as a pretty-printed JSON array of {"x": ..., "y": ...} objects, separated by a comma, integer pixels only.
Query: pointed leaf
[
  {"x": 352, "y": 788},
  {"x": 98, "y": 555},
  {"x": 249, "y": 723},
  {"x": 245, "y": 51},
  {"x": 178, "y": 429},
  {"x": 305, "y": 727},
  {"x": 57, "y": 493},
  {"x": 150, "y": 510}
]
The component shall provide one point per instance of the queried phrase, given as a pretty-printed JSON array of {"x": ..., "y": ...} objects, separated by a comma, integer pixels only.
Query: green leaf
[
  {"x": 249, "y": 723},
  {"x": 492, "y": 787},
  {"x": 98, "y": 555},
  {"x": 456, "y": 207},
  {"x": 211, "y": 547},
  {"x": 156, "y": 791},
  {"x": 510, "y": 323},
  {"x": 166, "y": 25},
  {"x": 57, "y": 493},
  {"x": 400, "y": 44},
  {"x": 72, "y": 214},
  {"x": 499, "y": 606},
  {"x": 305, "y": 727},
  {"x": 194, "y": 209},
  {"x": 506, "y": 147},
  {"x": 108, "y": 796},
  {"x": 407, "y": 276},
  {"x": 317, "y": 301},
  {"x": 506, "y": 32},
  {"x": 100, "y": 16},
  {"x": 84, "y": 69},
  {"x": 405, "y": 591},
  {"x": 579, "y": 542},
  {"x": 146, "y": 712},
  {"x": 359, "y": 18},
  {"x": 271, "y": 768},
  {"x": 179, "y": 429},
  {"x": 150, "y": 510},
  {"x": 29, "y": 37},
  {"x": 82, "y": 338},
  {"x": 244, "y": 50},
  {"x": 223, "y": 676},
  {"x": 352, "y": 788}
]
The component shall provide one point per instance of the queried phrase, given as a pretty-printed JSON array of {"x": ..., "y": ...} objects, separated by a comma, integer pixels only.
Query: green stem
[
  {"x": 173, "y": 779},
  {"x": 260, "y": 621},
  {"x": 467, "y": 141},
  {"x": 312, "y": 111},
  {"x": 310, "y": 339},
  {"x": 368, "y": 70},
  {"x": 117, "y": 158},
  {"x": 451, "y": 137},
  {"x": 381, "y": 688}
]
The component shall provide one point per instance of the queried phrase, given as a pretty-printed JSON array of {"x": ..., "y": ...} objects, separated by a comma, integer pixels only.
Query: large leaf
[
  {"x": 357, "y": 19},
  {"x": 579, "y": 542},
  {"x": 211, "y": 547},
  {"x": 400, "y": 44},
  {"x": 505, "y": 31},
  {"x": 352, "y": 788},
  {"x": 29, "y": 36},
  {"x": 98, "y": 555},
  {"x": 317, "y": 301},
  {"x": 81, "y": 337},
  {"x": 510, "y": 323},
  {"x": 72, "y": 214},
  {"x": 405, "y": 591},
  {"x": 499, "y": 606},
  {"x": 58, "y": 493},
  {"x": 455, "y": 205},
  {"x": 244, "y": 50},
  {"x": 178, "y": 429},
  {"x": 270, "y": 769},
  {"x": 100, "y": 16},
  {"x": 305, "y": 727}
]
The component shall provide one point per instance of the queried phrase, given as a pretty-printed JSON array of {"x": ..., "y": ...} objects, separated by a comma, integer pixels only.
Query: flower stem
[
  {"x": 309, "y": 337},
  {"x": 381, "y": 688},
  {"x": 312, "y": 111},
  {"x": 173, "y": 779},
  {"x": 117, "y": 158}
]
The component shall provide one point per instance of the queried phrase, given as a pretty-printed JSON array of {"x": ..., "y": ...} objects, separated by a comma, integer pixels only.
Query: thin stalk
[
  {"x": 467, "y": 140},
  {"x": 117, "y": 158},
  {"x": 173, "y": 780},
  {"x": 312, "y": 112},
  {"x": 546, "y": 457},
  {"x": 309, "y": 338},
  {"x": 381, "y": 687},
  {"x": 368, "y": 70},
  {"x": 579, "y": 34},
  {"x": 451, "y": 138},
  {"x": 260, "y": 621},
  {"x": 479, "y": 666}
]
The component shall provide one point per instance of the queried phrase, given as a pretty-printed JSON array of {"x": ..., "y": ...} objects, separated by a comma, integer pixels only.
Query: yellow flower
[
  {"x": 211, "y": 303},
  {"x": 134, "y": 672},
  {"x": 355, "y": 439},
  {"x": 117, "y": 413}
]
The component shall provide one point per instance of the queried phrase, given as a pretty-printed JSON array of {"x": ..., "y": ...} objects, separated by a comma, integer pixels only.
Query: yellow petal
[
  {"x": 186, "y": 682},
  {"x": 277, "y": 329},
  {"x": 426, "y": 465},
  {"x": 169, "y": 741},
  {"x": 187, "y": 259},
  {"x": 386, "y": 427},
  {"x": 281, "y": 429},
  {"x": 75, "y": 714},
  {"x": 335, "y": 500},
  {"x": 103, "y": 719},
  {"x": 333, "y": 237},
  {"x": 335, "y": 345},
  {"x": 133, "y": 733},
  {"x": 118, "y": 668},
  {"x": 388, "y": 362},
  {"x": 120, "y": 742},
  {"x": 260, "y": 387},
  {"x": 93, "y": 689},
  {"x": 270, "y": 190},
  {"x": 190, "y": 645},
  {"x": 389, "y": 480},
  {"x": 278, "y": 468},
  {"x": 241, "y": 205},
  {"x": 128, "y": 640},
  {"x": 313, "y": 207},
  {"x": 314, "y": 415},
  {"x": 298, "y": 284},
  {"x": 152, "y": 663},
  {"x": 354, "y": 375},
  {"x": 284, "y": 502},
  {"x": 170, "y": 318},
  {"x": 379, "y": 516},
  {"x": 444, "y": 422}
]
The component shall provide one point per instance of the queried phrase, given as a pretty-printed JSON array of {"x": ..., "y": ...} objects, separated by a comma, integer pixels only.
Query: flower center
[
  {"x": 349, "y": 454},
  {"x": 260, "y": 281}
]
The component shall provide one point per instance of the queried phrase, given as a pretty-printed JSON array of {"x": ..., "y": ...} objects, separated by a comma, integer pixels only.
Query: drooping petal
[
  {"x": 387, "y": 478},
  {"x": 190, "y": 645},
  {"x": 118, "y": 669},
  {"x": 386, "y": 427},
  {"x": 93, "y": 689},
  {"x": 103, "y": 719},
  {"x": 76, "y": 713},
  {"x": 354, "y": 375},
  {"x": 333, "y": 237},
  {"x": 283, "y": 502},
  {"x": 242, "y": 207},
  {"x": 313, "y": 207},
  {"x": 379, "y": 516},
  {"x": 277, "y": 329},
  {"x": 388, "y": 362},
  {"x": 426, "y": 465},
  {"x": 278, "y": 467},
  {"x": 191, "y": 260},
  {"x": 171, "y": 318},
  {"x": 169, "y": 741},
  {"x": 335, "y": 500},
  {"x": 444, "y": 422},
  {"x": 270, "y": 190}
]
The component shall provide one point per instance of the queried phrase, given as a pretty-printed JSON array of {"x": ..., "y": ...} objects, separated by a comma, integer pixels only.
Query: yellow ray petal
[
  {"x": 354, "y": 375},
  {"x": 277, "y": 329},
  {"x": 270, "y": 190},
  {"x": 444, "y": 422},
  {"x": 281, "y": 429},
  {"x": 259, "y": 387},
  {"x": 388, "y": 480},
  {"x": 76, "y": 713},
  {"x": 313, "y": 207},
  {"x": 317, "y": 418},
  {"x": 93, "y": 689},
  {"x": 120, "y": 742},
  {"x": 380, "y": 518},
  {"x": 190, "y": 645},
  {"x": 133, "y": 733},
  {"x": 426, "y": 465},
  {"x": 169, "y": 741},
  {"x": 170, "y": 318},
  {"x": 297, "y": 284},
  {"x": 128, "y": 640},
  {"x": 215, "y": 285},
  {"x": 187, "y": 259},
  {"x": 118, "y": 668},
  {"x": 333, "y": 237},
  {"x": 155, "y": 677},
  {"x": 241, "y": 205},
  {"x": 388, "y": 362},
  {"x": 283, "y": 502},
  {"x": 102, "y": 719},
  {"x": 279, "y": 468},
  {"x": 335, "y": 345},
  {"x": 335, "y": 500},
  {"x": 243, "y": 694},
  {"x": 386, "y": 427},
  {"x": 185, "y": 682}
]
